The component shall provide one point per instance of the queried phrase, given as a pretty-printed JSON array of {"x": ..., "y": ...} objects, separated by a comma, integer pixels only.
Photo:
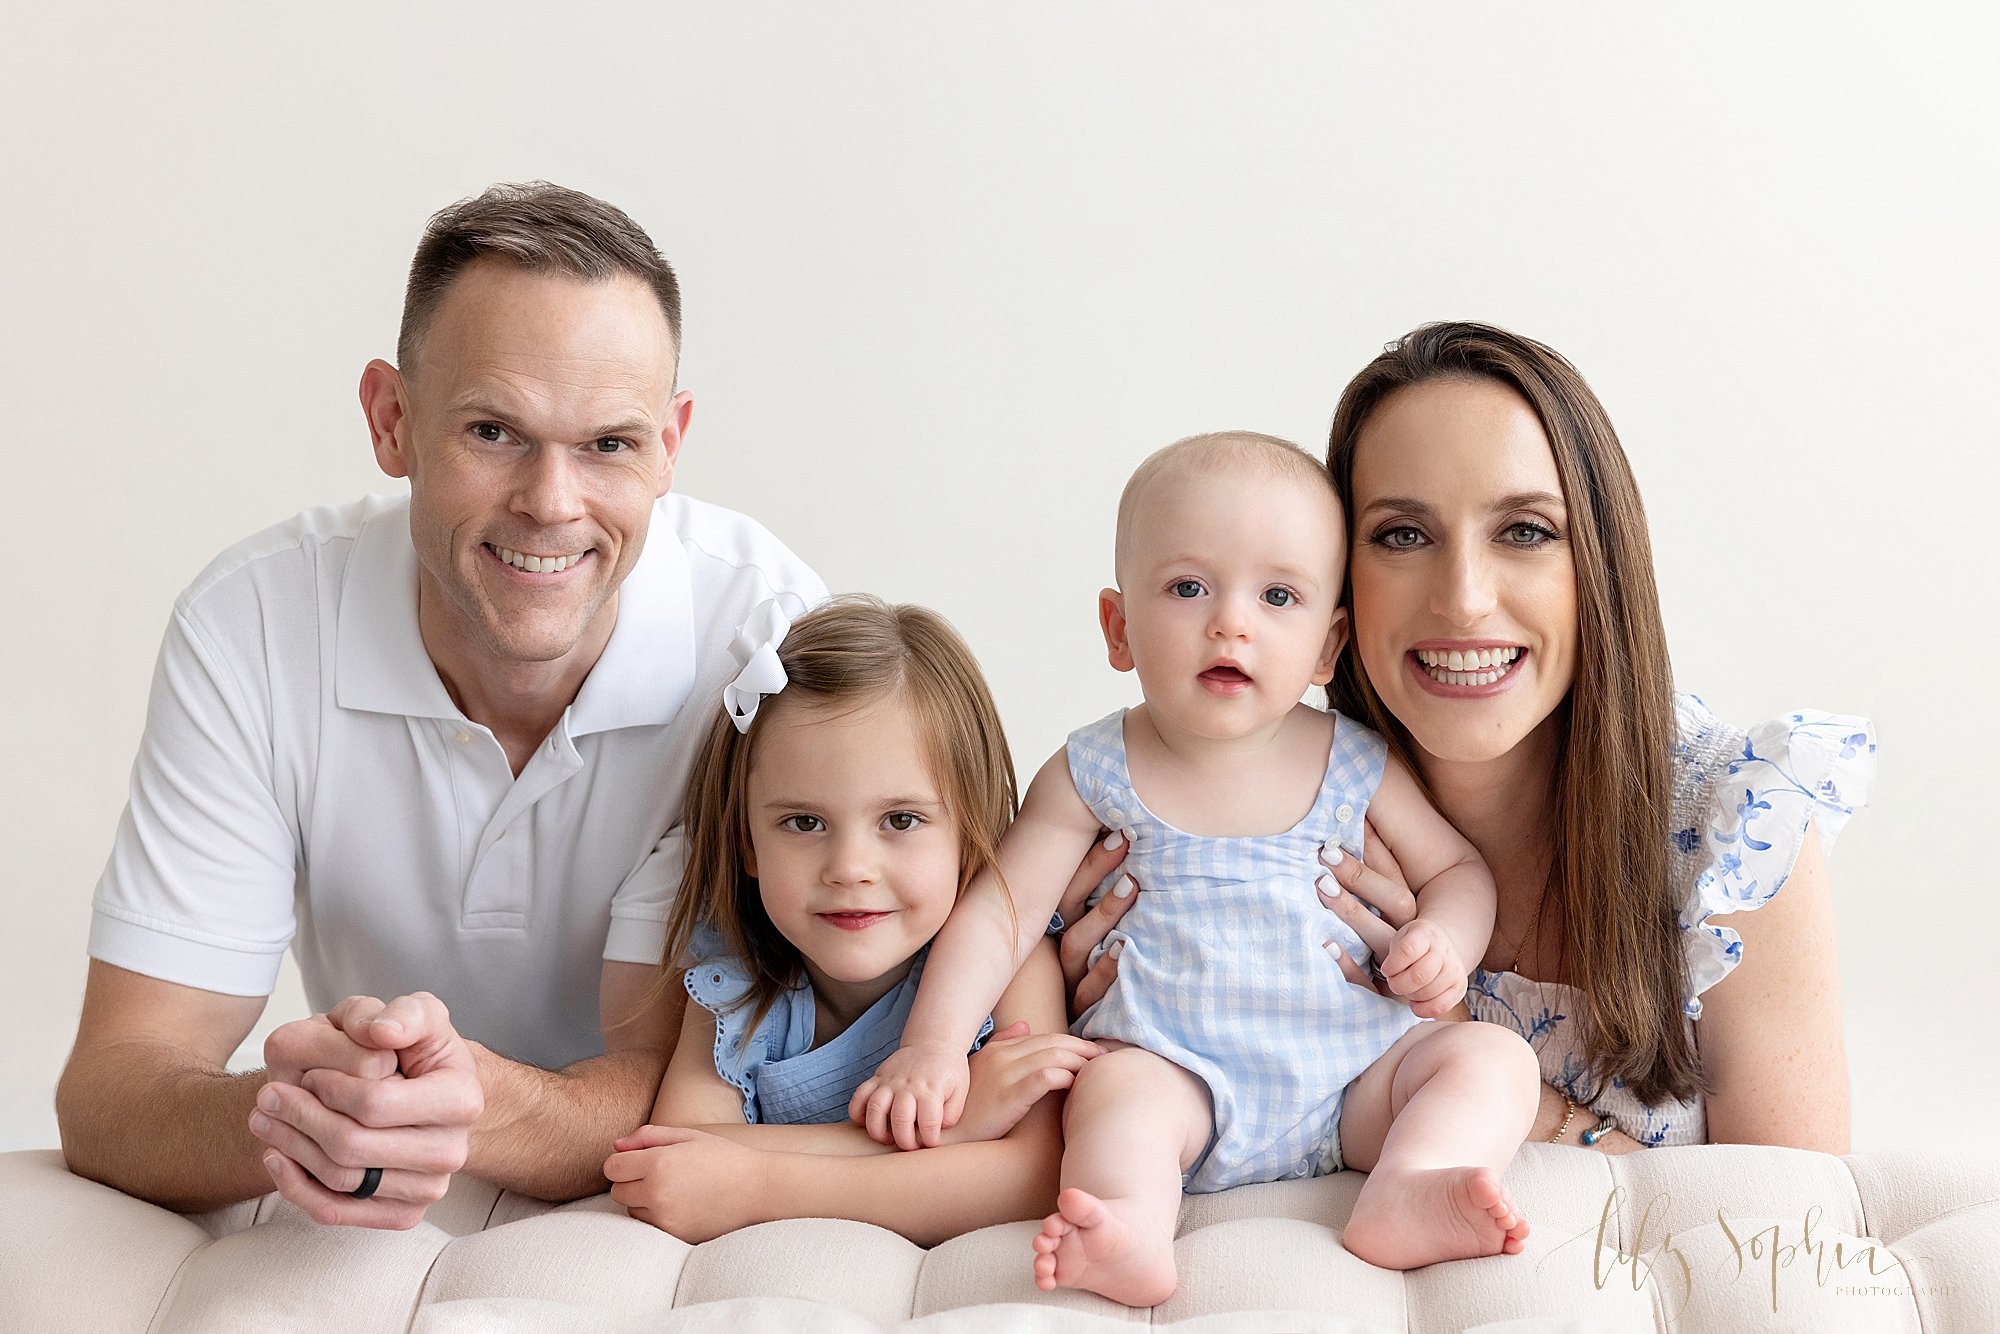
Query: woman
[{"x": 1507, "y": 641}]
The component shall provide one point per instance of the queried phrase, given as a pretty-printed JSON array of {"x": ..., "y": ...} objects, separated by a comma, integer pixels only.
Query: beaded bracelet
[{"x": 1569, "y": 1115}]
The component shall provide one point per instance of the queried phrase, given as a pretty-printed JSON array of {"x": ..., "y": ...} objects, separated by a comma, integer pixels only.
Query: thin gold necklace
[{"x": 1534, "y": 925}]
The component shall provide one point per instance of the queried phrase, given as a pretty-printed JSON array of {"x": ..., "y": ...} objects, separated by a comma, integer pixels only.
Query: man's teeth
[
  {"x": 1479, "y": 667},
  {"x": 536, "y": 564}
]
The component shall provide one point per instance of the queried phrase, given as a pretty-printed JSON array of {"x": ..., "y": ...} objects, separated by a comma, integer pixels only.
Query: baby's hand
[
  {"x": 914, "y": 1096},
  {"x": 692, "y": 1184},
  {"x": 1010, "y": 1074},
  {"x": 1423, "y": 967}
]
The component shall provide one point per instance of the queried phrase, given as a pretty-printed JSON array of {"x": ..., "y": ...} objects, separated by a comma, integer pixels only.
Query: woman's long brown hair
[
  {"x": 1610, "y": 891},
  {"x": 847, "y": 653}
]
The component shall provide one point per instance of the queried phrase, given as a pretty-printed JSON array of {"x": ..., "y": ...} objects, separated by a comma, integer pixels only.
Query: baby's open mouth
[{"x": 1226, "y": 674}]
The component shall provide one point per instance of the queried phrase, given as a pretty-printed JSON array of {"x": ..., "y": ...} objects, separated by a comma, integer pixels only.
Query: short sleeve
[
  {"x": 1800, "y": 771},
  {"x": 639, "y": 908},
  {"x": 721, "y": 985},
  {"x": 199, "y": 887}
]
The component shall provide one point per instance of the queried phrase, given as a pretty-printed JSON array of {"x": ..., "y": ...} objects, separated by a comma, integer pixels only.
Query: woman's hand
[
  {"x": 1349, "y": 888},
  {"x": 1010, "y": 1074},
  {"x": 1083, "y": 934}
]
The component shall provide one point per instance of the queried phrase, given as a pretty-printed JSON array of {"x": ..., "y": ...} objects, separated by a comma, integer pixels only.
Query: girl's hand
[
  {"x": 1349, "y": 888},
  {"x": 695, "y": 1185},
  {"x": 1010, "y": 1074},
  {"x": 1085, "y": 931},
  {"x": 914, "y": 1096}
]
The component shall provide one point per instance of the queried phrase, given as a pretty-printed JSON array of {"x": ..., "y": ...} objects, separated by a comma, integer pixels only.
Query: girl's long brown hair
[
  {"x": 1610, "y": 890},
  {"x": 848, "y": 653}
]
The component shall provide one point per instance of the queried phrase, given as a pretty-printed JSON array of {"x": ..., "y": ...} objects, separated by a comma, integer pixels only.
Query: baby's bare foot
[
  {"x": 1097, "y": 1245},
  {"x": 1411, "y": 1219}
]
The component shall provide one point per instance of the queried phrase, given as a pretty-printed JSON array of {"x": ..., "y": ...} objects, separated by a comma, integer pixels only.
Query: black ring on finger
[{"x": 370, "y": 1179}]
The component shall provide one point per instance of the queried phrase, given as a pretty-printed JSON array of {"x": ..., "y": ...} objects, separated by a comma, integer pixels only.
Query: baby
[{"x": 1235, "y": 1049}]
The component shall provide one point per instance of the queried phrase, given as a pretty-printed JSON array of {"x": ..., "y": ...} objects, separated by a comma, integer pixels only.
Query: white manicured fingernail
[
  {"x": 1117, "y": 946},
  {"x": 1328, "y": 886},
  {"x": 1116, "y": 841},
  {"x": 1123, "y": 889},
  {"x": 1333, "y": 854}
]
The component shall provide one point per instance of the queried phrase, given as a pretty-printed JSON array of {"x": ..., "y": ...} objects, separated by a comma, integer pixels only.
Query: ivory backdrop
[{"x": 952, "y": 270}]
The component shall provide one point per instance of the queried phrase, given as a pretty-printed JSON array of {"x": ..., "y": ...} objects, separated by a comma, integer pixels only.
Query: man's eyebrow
[
  {"x": 473, "y": 405},
  {"x": 1422, "y": 508}
]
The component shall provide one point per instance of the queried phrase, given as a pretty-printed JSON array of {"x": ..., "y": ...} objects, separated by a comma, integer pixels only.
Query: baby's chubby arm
[
  {"x": 1431, "y": 958},
  {"x": 920, "y": 1090}
]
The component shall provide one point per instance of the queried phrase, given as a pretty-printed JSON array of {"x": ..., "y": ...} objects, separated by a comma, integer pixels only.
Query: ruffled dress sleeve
[
  {"x": 721, "y": 985},
  {"x": 1743, "y": 801}
]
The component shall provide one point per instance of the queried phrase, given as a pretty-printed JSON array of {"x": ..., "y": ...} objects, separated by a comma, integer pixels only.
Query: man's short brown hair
[{"x": 539, "y": 227}]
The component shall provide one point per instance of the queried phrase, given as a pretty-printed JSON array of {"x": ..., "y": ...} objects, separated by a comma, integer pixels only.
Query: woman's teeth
[
  {"x": 1480, "y": 667},
  {"x": 536, "y": 564}
]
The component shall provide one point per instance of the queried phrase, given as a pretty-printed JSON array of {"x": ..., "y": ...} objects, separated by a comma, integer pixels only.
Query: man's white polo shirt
[{"x": 305, "y": 779}]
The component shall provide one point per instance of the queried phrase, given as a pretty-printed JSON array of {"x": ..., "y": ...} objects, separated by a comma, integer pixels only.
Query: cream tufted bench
[{"x": 1804, "y": 1241}]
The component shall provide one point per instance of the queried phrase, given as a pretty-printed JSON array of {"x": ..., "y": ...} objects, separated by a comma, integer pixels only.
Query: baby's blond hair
[{"x": 1210, "y": 453}]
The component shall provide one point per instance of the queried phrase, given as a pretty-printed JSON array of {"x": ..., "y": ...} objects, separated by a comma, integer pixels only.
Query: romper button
[{"x": 1345, "y": 813}]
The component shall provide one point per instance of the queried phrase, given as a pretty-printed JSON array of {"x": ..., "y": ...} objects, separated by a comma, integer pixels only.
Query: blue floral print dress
[{"x": 1742, "y": 804}]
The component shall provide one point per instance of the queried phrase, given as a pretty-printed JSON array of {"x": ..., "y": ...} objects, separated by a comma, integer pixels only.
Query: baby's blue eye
[
  {"x": 1187, "y": 588},
  {"x": 1280, "y": 597}
]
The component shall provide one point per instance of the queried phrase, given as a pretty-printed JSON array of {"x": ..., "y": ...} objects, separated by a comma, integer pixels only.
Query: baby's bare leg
[
  {"x": 1434, "y": 1122},
  {"x": 1132, "y": 1124}
]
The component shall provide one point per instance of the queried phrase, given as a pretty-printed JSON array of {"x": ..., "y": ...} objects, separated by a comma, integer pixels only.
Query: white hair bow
[{"x": 758, "y": 672}]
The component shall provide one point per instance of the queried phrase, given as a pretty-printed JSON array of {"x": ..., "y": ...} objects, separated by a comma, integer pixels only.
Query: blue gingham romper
[{"x": 1223, "y": 970}]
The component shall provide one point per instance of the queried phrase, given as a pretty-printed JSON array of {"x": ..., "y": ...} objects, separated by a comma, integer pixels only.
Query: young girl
[
  {"x": 1236, "y": 1051},
  {"x": 855, "y": 782}
]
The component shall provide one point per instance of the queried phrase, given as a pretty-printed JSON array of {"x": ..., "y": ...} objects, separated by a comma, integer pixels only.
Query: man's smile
[{"x": 532, "y": 564}]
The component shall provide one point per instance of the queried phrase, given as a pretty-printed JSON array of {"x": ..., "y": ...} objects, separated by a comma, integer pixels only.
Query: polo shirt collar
[
  {"x": 642, "y": 678},
  {"x": 380, "y": 663},
  {"x": 647, "y": 669}
]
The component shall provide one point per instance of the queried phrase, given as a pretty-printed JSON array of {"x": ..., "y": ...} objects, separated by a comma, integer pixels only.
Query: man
[{"x": 437, "y": 746}]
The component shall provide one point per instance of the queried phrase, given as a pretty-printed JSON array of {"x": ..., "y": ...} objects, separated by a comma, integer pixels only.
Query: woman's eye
[
  {"x": 1187, "y": 588},
  {"x": 802, "y": 824},
  {"x": 903, "y": 821},
  {"x": 1400, "y": 538},
  {"x": 1528, "y": 534},
  {"x": 1280, "y": 597}
]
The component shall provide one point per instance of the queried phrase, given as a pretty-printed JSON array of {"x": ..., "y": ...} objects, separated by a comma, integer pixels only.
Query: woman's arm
[
  {"x": 1769, "y": 1033},
  {"x": 1550, "y": 1117}
]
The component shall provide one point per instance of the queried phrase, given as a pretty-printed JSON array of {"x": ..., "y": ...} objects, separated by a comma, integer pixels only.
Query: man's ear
[
  {"x": 385, "y": 404},
  {"x": 680, "y": 411},
  {"x": 1336, "y": 639},
  {"x": 1111, "y": 616}
]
